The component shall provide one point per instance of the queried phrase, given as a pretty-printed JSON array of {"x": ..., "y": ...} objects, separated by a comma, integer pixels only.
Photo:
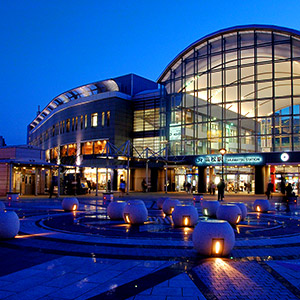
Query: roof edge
[{"x": 223, "y": 31}]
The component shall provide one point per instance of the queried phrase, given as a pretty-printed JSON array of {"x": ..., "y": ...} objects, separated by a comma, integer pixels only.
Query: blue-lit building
[{"x": 237, "y": 89}]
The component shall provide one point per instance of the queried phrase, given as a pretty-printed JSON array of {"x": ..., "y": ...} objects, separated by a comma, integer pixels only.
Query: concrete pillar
[
  {"x": 202, "y": 180},
  {"x": 260, "y": 179}
]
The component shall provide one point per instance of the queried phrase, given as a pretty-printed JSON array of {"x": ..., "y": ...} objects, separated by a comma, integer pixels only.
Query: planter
[
  {"x": 169, "y": 205},
  {"x": 230, "y": 213},
  {"x": 160, "y": 202},
  {"x": 108, "y": 196},
  {"x": 135, "y": 212},
  {"x": 70, "y": 204},
  {"x": 209, "y": 208},
  {"x": 13, "y": 196},
  {"x": 9, "y": 224},
  {"x": 242, "y": 207},
  {"x": 115, "y": 210},
  {"x": 185, "y": 215},
  {"x": 213, "y": 238},
  {"x": 261, "y": 205},
  {"x": 2, "y": 206}
]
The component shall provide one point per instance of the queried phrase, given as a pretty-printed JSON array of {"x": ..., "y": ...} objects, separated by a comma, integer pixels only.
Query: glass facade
[{"x": 239, "y": 90}]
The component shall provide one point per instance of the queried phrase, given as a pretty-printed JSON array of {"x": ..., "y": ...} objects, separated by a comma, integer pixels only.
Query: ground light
[
  {"x": 217, "y": 247},
  {"x": 127, "y": 219}
]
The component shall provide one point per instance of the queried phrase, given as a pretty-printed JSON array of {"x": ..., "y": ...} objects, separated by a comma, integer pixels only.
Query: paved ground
[{"x": 84, "y": 255}]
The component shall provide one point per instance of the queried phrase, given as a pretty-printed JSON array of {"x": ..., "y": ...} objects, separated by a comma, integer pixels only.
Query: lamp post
[{"x": 222, "y": 151}]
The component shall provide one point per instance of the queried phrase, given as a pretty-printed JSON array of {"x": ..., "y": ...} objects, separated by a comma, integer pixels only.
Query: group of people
[{"x": 221, "y": 189}]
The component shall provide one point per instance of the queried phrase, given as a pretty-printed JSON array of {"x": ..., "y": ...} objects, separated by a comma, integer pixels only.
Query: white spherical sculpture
[
  {"x": 160, "y": 202},
  {"x": 230, "y": 213},
  {"x": 2, "y": 206},
  {"x": 169, "y": 205},
  {"x": 70, "y": 204},
  {"x": 9, "y": 224},
  {"x": 209, "y": 208},
  {"x": 185, "y": 215},
  {"x": 135, "y": 212},
  {"x": 213, "y": 238},
  {"x": 242, "y": 207},
  {"x": 261, "y": 205},
  {"x": 115, "y": 210}
]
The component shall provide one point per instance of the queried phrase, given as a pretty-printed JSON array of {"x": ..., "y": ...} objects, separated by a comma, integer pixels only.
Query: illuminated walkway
[{"x": 84, "y": 255}]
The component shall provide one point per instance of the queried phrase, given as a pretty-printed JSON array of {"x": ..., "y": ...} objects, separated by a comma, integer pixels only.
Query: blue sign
[{"x": 229, "y": 159}]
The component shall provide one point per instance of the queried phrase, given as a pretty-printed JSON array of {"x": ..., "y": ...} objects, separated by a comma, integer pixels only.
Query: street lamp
[{"x": 222, "y": 151}]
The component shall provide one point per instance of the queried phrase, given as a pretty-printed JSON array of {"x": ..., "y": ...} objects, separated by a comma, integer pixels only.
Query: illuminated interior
[{"x": 186, "y": 220}]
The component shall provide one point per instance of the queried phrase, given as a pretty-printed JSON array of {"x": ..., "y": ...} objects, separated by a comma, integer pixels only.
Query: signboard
[
  {"x": 229, "y": 159},
  {"x": 175, "y": 133}
]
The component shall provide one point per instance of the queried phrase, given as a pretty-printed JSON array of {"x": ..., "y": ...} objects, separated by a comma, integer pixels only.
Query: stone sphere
[
  {"x": 261, "y": 205},
  {"x": 169, "y": 205},
  {"x": 135, "y": 212},
  {"x": 213, "y": 238},
  {"x": 209, "y": 208},
  {"x": 160, "y": 202},
  {"x": 242, "y": 207},
  {"x": 2, "y": 206},
  {"x": 115, "y": 210},
  {"x": 230, "y": 213},
  {"x": 70, "y": 204},
  {"x": 9, "y": 224},
  {"x": 185, "y": 215}
]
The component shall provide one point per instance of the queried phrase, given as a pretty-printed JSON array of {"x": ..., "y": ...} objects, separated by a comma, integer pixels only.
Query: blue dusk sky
[{"x": 50, "y": 46}]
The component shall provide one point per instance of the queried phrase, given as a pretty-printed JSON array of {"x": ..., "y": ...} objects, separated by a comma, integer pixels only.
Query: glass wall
[{"x": 237, "y": 90}]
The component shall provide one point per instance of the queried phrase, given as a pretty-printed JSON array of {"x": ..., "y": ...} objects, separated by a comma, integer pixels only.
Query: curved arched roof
[
  {"x": 80, "y": 92},
  {"x": 229, "y": 30}
]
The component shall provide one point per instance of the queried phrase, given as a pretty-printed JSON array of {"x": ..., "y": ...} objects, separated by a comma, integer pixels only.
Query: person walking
[
  {"x": 270, "y": 189},
  {"x": 122, "y": 188},
  {"x": 221, "y": 189}
]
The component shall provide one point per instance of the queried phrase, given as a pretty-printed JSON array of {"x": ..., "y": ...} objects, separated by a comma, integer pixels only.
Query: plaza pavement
[{"x": 66, "y": 261}]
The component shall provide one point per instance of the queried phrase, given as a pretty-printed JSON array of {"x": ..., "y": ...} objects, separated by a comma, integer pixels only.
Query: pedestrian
[
  {"x": 221, "y": 189},
  {"x": 270, "y": 189},
  {"x": 213, "y": 188},
  {"x": 282, "y": 186},
  {"x": 144, "y": 185},
  {"x": 188, "y": 187},
  {"x": 122, "y": 188}
]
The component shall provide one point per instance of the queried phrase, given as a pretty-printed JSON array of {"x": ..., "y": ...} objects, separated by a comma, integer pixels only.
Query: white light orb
[
  {"x": 209, "y": 208},
  {"x": 135, "y": 212},
  {"x": 230, "y": 213},
  {"x": 213, "y": 238},
  {"x": 115, "y": 210},
  {"x": 9, "y": 224},
  {"x": 169, "y": 205},
  {"x": 2, "y": 206},
  {"x": 185, "y": 215},
  {"x": 261, "y": 205},
  {"x": 242, "y": 207},
  {"x": 70, "y": 204},
  {"x": 160, "y": 202}
]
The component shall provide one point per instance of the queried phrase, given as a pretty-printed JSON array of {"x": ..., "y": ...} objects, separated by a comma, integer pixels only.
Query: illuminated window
[
  {"x": 72, "y": 149},
  {"x": 108, "y": 119},
  {"x": 99, "y": 147},
  {"x": 76, "y": 123},
  {"x": 63, "y": 126},
  {"x": 73, "y": 121},
  {"x": 94, "y": 120},
  {"x": 81, "y": 122},
  {"x": 87, "y": 148},
  {"x": 85, "y": 121},
  {"x": 68, "y": 125},
  {"x": 64, "y": 151},
  {"x": 103, "y": 119}
]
